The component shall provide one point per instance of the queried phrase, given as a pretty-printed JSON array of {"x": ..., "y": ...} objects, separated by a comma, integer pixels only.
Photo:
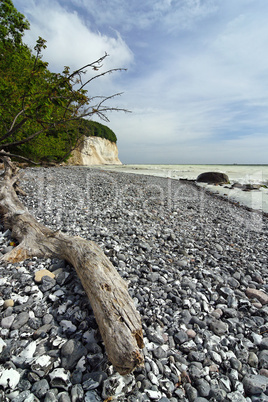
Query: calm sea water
[{"x": 244, "y": 174}]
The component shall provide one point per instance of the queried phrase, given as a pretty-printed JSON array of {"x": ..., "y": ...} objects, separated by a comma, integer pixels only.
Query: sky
[{"x": 197, "y": 72}]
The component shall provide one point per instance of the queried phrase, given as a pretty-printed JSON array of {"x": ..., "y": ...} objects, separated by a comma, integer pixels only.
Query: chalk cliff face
[{"x": 95, "y": 151}]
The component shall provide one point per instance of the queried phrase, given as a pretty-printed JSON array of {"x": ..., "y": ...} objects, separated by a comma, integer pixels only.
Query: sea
[{"x": 243, "y": 174}]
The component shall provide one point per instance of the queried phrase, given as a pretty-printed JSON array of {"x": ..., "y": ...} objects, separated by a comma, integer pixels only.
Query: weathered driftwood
[{"x": 118, "y": 320}]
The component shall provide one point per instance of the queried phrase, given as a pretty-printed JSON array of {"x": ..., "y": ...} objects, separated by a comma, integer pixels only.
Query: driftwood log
[{"x": 118, "y": 320}]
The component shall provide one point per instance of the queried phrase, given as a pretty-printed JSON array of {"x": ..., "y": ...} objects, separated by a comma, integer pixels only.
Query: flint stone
[
  {"x": 116, "y": 384},
  {"x": 20, "y": 320},
  {"x": 225, "y": 383},
  {"x": 40, "y": 388},
  {"x": 51, "y": 396},
  {"x": 219, "y": 327},
  {"x": 203, "y": 387},
  {"x": 264, "y": 343},
  {"x": 59, "y": 378},
  {"x": 7, "y": 322},
  {"x": 9, "y": 378},
  {"x": 191, "y": 392},
  {"x": 42, "y": 330},
  {"x": 257, "y": 294},
  {"x": 22, "y": 396},
  {"x": 153, "y": 277},
  {"x": 236, "y": 397},
  {"x": 155, "y": 336},
  {"x": 64, "y": 397},
  {"x": 263, "y": 359},
  {"x": 47, "y": 283},
  {"x": 181, "y": 337},
  {"x": 92, "y": 396},
  {"x": 255, "y": 384},
  {"x": 71, "y": 352},
  {"x": 154, "y": 395},
  {"x": 253, "y": 359},
  {"x": 2, "y": 345},
  {"x": 218, "y": 394},
  {"x": 196, "y": 356},
  {"x": 159, "y": 353},
  {"x": 68, "y": 326},
  {"x": 188, "y": 346},
  {"x": 77, "y": 393},
  {"x": 90, "y": 384}
]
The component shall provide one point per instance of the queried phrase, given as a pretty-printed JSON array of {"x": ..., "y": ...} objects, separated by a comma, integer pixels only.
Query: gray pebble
[
  {"x": 40, "y": 388},
  {"x": 20, "y": 320}
]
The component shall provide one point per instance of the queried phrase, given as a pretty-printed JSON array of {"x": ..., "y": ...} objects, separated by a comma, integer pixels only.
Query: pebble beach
[{"x": 196, "y": 267}]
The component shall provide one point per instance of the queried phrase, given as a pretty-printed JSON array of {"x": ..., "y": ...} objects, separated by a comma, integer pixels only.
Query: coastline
[
  {"x": 196, "y": 268},
  {"x": 242, "y": 174}
]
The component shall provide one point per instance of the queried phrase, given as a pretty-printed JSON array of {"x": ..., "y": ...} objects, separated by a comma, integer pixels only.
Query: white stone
[
  {"x": 43, "y": 361},
  {"x": 2, "y": 344},
  {"x": 154, "y": 367},
  {"x": 9, "y": 378},
  {"x": 59, "y": 293},
  {"x": 58, "y": 341},
  {"x": 216, "y": 357},
  {"x": 89, "y": 336},
  {"x": 62, "y": 308},
  {"x": 116, "y": 385},
  {"x": 153, "y": 378},
  {"x": 60, "y": 378},
  {"x": 29, "y": 351},
  {"x": 156, "y": 395},
  {"x": 230, "y": 354},
  {"x": 68, "y": 325}
]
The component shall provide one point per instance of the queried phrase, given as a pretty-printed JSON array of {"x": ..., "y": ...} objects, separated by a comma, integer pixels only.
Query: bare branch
[
  {"x": 9, "y": 155},
  {"x": 101, "y": 75},
  {"x": 93, "y": 64}
]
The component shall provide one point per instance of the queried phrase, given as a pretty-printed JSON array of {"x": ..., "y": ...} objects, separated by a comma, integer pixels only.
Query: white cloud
[
  {"x": 69, "y": 41},
  {"x": 197, "y": 71}
]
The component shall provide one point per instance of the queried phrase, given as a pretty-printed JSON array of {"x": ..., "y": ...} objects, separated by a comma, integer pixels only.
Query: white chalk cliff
[{"x": 95, "y": 151}]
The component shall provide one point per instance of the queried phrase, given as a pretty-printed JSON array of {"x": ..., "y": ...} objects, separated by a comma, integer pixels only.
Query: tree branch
[{"x": 118, "y": 320}]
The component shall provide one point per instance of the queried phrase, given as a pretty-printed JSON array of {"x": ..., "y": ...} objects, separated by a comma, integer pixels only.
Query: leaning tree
[{"x": 33, "y": 104}]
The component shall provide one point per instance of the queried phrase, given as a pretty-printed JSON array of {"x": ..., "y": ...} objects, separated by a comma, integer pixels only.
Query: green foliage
[
  {"x": 95, "y": 129},
  {"x": 41, "y": 113},
  {"x": 13, "y": 24}
]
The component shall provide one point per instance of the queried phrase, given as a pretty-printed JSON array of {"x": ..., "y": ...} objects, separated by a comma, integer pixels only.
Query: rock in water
[{"x": 213, "y": 177}]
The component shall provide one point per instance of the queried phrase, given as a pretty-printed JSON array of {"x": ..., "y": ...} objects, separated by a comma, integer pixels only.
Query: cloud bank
[{"x": 197, "y": 72}]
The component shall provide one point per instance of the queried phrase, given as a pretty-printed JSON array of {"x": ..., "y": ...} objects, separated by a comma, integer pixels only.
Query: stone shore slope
[{"x": 196, "y": 267}]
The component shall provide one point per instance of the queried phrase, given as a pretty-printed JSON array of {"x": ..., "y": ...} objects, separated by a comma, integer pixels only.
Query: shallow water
[{"x": 244, "y": 174}]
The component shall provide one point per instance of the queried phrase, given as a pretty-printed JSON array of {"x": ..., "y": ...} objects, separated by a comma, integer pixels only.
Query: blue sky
[{"x": 197, "y": 72}]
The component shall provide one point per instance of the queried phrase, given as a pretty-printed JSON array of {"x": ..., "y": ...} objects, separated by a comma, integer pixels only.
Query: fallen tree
[{"x": 118, "y": 320}]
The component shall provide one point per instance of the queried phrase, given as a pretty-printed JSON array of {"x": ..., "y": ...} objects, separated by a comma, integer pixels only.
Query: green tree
[{"x": 38, "y": 108}]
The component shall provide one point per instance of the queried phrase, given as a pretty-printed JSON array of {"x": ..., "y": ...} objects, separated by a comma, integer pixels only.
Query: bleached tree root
[{"x": 118, "y": 320}]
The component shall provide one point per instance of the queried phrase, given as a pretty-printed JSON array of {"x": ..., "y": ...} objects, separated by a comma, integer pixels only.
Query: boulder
[{"x": 213, "y": 178}]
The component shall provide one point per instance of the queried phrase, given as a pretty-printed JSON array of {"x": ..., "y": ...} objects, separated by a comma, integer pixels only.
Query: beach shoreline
[
  {"x": 247, "y": 176},
  {"x": 196, "y": 268}
]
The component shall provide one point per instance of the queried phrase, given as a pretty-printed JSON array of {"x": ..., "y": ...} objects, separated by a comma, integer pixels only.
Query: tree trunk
[{"x": 118, "y": 320}]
